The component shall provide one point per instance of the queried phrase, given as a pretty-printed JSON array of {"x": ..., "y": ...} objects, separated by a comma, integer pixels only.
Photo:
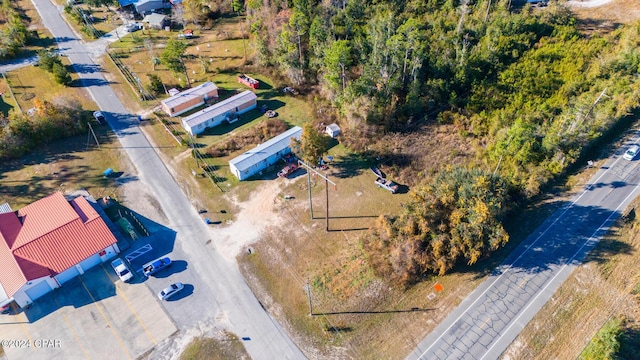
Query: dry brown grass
[
  {"x": 222, "y": 347},
  {"x": 62, "y": 166},
  {"x": 607, "y": 17}
]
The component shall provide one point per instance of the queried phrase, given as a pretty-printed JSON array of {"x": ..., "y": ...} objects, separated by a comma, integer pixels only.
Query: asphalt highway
[{"x": 491, "y": 317}]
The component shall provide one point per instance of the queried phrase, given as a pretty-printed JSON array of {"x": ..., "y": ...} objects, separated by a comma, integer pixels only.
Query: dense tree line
[
  {"x": 520, "y": 81},
  {"x": 456, "y": 218},
  {"x": 20, "y": 133},
  {"x": 526, "y": 86},
  {"x": 13, "y": 32}
]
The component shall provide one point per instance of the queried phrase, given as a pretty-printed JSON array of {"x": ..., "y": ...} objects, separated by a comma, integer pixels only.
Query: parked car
[
  {"x": 121, "y": 269},
  {"x": 155, "y": 266},
  {"x": 99, "y": 116},
  {"x": 132, "y": 27},
  {"x": 170, "y": 290},
  {"x": 631, "y": 153},
  {"x": 290, "y": 90},
  {"x": 288, "y": 170},
  {"x": 387, "y": 185}
]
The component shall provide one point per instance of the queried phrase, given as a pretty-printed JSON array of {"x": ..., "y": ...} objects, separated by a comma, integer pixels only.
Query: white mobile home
[
  {"x": 263, "y": 155},
  {"x": 190, "y": 99},
  {"x": 225, "y": 110}
]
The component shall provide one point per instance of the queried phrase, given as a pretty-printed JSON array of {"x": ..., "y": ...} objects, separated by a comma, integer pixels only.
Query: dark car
[{"x": 99, "y": 116}]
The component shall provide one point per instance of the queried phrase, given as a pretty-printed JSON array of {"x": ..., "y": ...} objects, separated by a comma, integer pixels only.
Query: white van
[{"x": 631, "y": 152}]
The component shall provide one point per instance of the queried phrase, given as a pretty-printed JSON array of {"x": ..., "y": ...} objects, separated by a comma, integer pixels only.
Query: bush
[
  {"x": 50, "y": 122},
  {"x": 256, "y": 135},
  {"x": 456, "y": 218},
  {"x": 155, "y": 84},
  {"x": 61, "y": 75},
  {"x": 606, "y": 343}
]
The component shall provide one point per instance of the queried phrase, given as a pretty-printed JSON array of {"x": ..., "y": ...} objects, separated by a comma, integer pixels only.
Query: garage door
[
  {"x": 41, "y": 289},
  {"x": 67, "y": 275}
]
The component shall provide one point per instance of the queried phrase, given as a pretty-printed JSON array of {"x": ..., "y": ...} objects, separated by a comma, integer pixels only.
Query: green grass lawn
[
  {"x": 64, "y": 165},
  {"x": 31, "y": 83}
]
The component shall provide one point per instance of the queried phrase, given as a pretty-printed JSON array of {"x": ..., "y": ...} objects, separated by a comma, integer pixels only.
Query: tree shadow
[
  {"x": 86, "y": 68},
  {"x": 349, "y": 165},
  {"x": 629, "y": 343},
  {"x": 83, "y": 82},
  {"x": 5, "y": 107}
]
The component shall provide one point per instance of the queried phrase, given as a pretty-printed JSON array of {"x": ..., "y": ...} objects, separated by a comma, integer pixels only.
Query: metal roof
[
  {"x": 218, "y": 109},
  {"x": 189, "y": 94},
  {"x": 334, "y": 127},
  {"x": 5, "y": 208},
  {"x": 47, "y": 237},
  {"x": 266, "y": 149},
  {"x": 156, "y": 19}
]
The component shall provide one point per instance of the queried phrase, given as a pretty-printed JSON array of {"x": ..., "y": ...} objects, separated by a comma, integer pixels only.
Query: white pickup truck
[
  {"x": 387, "y": 185},
  {"x": 121, "y": 269}
]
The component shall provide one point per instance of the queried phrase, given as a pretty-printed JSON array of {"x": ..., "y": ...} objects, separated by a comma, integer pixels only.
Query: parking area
[{"x": 92, "y": 316}]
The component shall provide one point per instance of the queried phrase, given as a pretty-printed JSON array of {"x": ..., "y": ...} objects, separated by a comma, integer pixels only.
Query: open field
[
  {"x": 61, "y": 166},
  {"x": 225, "y": 346},
  {"x": 33, "y": 83},
  {"x": 210, "y": 52}
]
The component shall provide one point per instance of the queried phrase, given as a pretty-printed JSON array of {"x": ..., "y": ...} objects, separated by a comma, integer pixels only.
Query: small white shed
[{"x": 332, "y": 130}]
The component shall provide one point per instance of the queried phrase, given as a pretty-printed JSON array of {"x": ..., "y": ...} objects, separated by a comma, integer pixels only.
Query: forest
[{"x": 524, "y": 85}]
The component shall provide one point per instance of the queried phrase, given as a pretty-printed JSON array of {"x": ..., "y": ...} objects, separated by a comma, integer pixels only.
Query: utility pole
[
  {"x": 309, "y": 188},
  {"x": 327, "y": 181},
  {"x": 94, "y": 135},
  {"x": 309, "y": 297}
]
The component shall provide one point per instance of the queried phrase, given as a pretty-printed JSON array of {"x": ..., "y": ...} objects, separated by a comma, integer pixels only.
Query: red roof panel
[{"x": 55, "y": 235}]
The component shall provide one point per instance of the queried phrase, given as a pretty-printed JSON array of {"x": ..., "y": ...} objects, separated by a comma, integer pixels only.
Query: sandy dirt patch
[
  {"x": 253, "y": 217},
  {"x": 587, "y": 3}
]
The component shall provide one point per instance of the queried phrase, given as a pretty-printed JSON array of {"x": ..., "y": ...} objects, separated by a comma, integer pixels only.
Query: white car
[
  {"x": 631, "y": 153},
  {"x": 121, "y": 269},
  {"x": 132, "y": 27},
  {"x": 170, "y": 290}
]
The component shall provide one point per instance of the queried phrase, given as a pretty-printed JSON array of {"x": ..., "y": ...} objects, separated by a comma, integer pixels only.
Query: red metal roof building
[{"x": 47, "y": 243}]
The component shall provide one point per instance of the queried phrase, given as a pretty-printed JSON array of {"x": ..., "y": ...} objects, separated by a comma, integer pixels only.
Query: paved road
[
  {"x": 217, "y": 290},
  {"x": 491, "y": 317}
]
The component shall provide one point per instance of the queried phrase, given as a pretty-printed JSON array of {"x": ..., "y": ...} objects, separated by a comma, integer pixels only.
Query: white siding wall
[{"x": 90, "y": 262}]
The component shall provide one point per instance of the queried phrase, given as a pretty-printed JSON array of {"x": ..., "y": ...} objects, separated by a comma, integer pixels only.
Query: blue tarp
[{"x": 124, "y": 3}]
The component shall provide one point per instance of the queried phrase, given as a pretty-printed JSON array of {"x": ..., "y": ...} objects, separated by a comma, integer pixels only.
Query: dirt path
[{"x": 254, "y": 216}]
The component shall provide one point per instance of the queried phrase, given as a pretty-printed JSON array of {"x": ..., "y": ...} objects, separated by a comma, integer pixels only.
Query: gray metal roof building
[
  {"x": 263, "y": 155},
  {"x": 215, "y": 114}
]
